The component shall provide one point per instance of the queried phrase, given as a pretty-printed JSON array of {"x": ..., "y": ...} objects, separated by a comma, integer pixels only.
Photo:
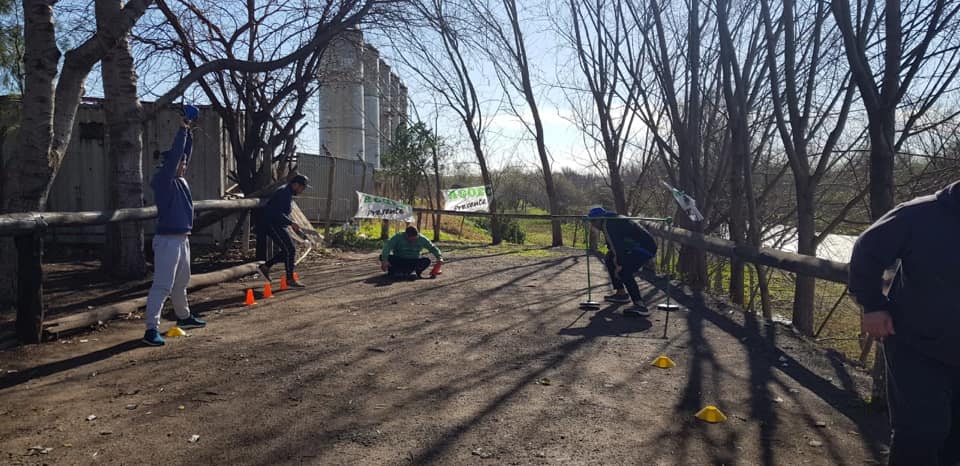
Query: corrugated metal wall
[
  {"x": 82, "y": 184},
  {"x": 347, "y": 177}
]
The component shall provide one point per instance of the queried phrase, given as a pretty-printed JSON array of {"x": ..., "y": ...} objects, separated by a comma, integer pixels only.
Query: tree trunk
[
  {"x": 763, "y": 282},
  {"x": 123, "y": 251},
  {"x": 692, "y": 262},
  {"x": 496, "y": 236},
  {"x": 882, "y": 133},
  {"x": 439, "y": 188},
  {"x": 616, "y": 184},
  {"x": 805, "y": 289},
  {"x": 23, "y": 187}
]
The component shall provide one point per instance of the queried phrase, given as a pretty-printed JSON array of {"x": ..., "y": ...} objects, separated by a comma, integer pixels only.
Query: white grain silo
[
  {"x": 341, "y": 96},
  {"x": 386, "y": 120},
  {"x": 371, "y": 105}
]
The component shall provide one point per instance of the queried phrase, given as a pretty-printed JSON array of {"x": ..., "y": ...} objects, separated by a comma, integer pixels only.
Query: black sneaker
[
  {"x": 191, "y": 322},
  {"x": 637, "y": 310},
  {"x": 264, "y": 270},
  {"x": 617, "y": 298},
  {"x": 295, "y": 284}
]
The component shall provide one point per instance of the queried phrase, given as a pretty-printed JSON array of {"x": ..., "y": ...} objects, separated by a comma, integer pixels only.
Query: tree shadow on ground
[
  {"x": 760, "y": 341},
  {"x": 606, "y": 323},
  {"x": 17, "y": 378}
]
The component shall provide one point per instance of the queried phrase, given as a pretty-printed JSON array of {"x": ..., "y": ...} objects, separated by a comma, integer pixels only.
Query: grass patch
[{"x": 841, "y": 332}]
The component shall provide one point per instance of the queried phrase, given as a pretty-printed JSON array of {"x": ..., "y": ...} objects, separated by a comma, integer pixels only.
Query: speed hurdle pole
[{"x": 669, "y": 306}]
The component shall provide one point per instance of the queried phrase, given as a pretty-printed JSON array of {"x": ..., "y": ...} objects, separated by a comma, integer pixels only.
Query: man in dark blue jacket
[
  {"x": 629, "y": 247},
  {"x": 917, "y": 321},
  {"x": 274, "y": 220},
  {"x": 171, "y": 240}
]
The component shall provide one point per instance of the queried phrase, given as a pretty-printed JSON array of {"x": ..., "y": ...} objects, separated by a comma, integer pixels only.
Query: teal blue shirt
[{"x": 406, "y": 249}]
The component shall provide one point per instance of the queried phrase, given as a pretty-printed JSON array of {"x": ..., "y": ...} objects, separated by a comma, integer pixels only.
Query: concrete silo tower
[
  {"x": 371, "y": 106},
  {"x": 342, "y": 124}
]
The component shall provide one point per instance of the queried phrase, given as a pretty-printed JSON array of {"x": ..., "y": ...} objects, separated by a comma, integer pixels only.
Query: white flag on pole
[{"x": 687, "y": 203}]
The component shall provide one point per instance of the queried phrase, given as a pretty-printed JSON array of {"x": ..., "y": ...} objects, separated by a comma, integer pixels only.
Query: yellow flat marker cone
[
  {"x": 176, "y": 332},
  {"x": 711, "y": 414},
  {"x": 664, "y": 362}
]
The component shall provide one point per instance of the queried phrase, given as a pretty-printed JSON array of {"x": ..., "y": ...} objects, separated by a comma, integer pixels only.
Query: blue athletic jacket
[
  {"x": 172, "y": 193},
  {"x": 277, "y": 210}
]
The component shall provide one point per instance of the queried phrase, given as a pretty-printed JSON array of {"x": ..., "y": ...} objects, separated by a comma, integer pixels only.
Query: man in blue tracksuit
[
  {"x": 171, "y": 241},
  {"x": 917, "y": 321},
  {"x": 629, "y": 247},
  {"x": 274, "y": 220}
]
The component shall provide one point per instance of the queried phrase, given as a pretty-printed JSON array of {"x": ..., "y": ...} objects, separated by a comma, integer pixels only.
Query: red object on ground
[{"x": 436, "y": 269}]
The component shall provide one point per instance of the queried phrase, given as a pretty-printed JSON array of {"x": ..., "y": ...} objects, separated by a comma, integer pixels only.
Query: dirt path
[{"x": 493, "y": 363}]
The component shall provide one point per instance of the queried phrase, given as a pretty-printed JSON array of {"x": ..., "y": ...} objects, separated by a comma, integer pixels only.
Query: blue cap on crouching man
[{"x": 600, "y": 212}]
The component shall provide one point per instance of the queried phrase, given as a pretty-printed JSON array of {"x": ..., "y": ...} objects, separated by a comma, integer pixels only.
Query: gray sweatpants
[{"x": 171, "y": 274}]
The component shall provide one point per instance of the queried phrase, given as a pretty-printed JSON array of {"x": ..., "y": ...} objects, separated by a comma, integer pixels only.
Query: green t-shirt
[{"x": 406, "y": 249}]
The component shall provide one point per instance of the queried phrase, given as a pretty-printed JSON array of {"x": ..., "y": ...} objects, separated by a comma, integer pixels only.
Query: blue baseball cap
[{"x": 600, "y": 212}]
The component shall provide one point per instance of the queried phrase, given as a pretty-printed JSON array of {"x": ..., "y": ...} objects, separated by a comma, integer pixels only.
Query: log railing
[
  {"x": 28, "y": 228},
  {"x": 783, "y": 260}
]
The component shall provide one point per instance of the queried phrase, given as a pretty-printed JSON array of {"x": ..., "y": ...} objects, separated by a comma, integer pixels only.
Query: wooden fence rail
[
  {"x": 27, "y": 229},
  {"x": 22, "y": 223},
  {"x": 791, "y": 262}
]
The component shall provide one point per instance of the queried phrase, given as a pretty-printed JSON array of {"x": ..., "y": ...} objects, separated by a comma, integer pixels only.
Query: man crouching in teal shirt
[{"x": 405, "y": 258}]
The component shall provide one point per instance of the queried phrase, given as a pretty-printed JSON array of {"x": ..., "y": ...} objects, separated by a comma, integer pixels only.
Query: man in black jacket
[
  {"x": 918, "y": 322},
  {"x": 274, "y": 221},
  {"x": 629, "y": 247}
]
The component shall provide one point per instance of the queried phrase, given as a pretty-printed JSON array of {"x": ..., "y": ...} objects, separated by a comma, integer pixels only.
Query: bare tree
[
  {"x": 262, "y": 114},
  {"x": 915, "y": 62},
  {"x": 507, "y": 49},
  {"x": 435, "y": 49},
  {"x": 599, "y": 35},
  {"x": 740, "y": 77},
  {"x": 673, "y": 83},
  {"x": 802, "y": 52}
]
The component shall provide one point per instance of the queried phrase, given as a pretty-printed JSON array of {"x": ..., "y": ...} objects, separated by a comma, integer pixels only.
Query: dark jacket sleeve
[
  {"x": 877, "y": 249},
  {"x": 278, "y": 207},
  {"x": 613, "y": 232}
]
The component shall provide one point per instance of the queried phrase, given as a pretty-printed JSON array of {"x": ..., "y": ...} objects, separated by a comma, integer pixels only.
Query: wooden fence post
[
  {"x": 331, "y": 176},
  {"x": 29, "y": 287}
]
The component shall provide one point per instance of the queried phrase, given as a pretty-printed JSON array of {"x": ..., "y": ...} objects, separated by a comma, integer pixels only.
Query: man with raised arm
[{"x": 171, "y": 240}]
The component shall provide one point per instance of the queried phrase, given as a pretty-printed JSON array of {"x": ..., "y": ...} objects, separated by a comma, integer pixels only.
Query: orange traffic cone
[
  {"x": 267, "y": 291},
  {"x": 296, "y": 276},
  {"x": 250, "y": 301},
  {"x": 436, "y": 269},
  {"x": 283, "y": 283}
]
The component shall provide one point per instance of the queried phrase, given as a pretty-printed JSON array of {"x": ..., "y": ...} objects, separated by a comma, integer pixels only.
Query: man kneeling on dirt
[
  {"x": 401, "y": 255},
  {"x": 629, "y": 247}
]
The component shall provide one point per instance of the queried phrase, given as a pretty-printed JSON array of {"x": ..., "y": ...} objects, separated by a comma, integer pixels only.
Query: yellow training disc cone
[
  {"x": 176, "y": 332},
  {"x": 663, "y": 362},
  {"x": 711, "y": 414}
]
